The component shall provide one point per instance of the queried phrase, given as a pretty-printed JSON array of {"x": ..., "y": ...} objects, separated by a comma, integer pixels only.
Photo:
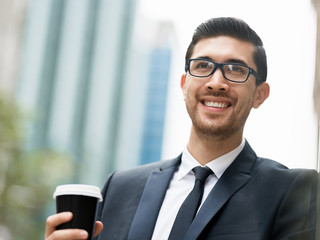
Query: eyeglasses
[{"x": 234, "y": 72}]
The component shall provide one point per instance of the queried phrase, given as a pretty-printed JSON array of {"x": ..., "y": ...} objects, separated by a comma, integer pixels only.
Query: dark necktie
[{"x": 190, "y": 205}]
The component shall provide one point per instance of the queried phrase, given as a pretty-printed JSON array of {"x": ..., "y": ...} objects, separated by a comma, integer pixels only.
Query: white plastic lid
[{"x": 78, "y": 189}]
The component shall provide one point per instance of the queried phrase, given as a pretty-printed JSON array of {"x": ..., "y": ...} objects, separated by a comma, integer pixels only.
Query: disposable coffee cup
[{"x": 82, "y": 201}]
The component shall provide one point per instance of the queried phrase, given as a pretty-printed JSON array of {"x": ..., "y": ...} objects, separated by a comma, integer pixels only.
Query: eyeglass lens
[{"x": 233, "y": 72}]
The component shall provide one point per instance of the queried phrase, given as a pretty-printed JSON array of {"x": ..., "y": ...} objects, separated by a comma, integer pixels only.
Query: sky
[{"x": 284, "y": 128}]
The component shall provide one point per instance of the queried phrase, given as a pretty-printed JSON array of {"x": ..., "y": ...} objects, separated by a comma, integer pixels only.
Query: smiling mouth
[{"x": 216, "y": 104}]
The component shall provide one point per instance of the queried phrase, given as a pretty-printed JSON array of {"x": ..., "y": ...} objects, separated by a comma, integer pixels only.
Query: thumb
[{"x": 98, "y": 228}]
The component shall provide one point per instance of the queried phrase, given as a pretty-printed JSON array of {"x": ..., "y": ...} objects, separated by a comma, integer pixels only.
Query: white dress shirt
[{"x": 181, "y": 185}]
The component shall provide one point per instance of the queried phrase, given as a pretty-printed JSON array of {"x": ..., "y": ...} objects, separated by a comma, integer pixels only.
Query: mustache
[{"x": 214, "y": 94}]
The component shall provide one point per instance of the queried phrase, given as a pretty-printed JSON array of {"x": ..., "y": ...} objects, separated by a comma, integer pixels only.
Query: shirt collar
[{"x": 218, "y": 165}]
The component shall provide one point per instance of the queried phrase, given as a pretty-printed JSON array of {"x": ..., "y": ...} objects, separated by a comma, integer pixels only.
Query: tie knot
[{"x": 202, "y": 173}]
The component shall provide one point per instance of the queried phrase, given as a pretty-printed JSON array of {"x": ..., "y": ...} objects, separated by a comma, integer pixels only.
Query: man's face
[{"x": 217, "y": 107}]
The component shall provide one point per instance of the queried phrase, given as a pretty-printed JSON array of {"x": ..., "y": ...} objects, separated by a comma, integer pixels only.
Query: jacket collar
[
  {"x": 236, "y": 176},
  {"x": 146, "y": 216}
]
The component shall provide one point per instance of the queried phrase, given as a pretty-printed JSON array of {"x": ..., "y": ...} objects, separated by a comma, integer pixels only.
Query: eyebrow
[
  {"x": 237, "y": 61},
  {"x": 232, "y": 60}
]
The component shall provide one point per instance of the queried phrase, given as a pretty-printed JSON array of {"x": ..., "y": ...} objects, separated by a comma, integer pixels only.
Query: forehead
[{"x": 224, "y": 48}]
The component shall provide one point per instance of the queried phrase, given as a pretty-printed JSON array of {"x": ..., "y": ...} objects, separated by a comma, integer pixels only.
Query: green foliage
[{"x": 27, "y": 179}]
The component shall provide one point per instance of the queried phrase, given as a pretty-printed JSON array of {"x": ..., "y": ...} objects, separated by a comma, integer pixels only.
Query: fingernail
[
  {"x": 68, "y": 215},
  {"x": 84, "y": 234}
]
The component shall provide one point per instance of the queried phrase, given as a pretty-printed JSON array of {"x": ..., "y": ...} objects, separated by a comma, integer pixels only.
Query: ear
[
  {"x": 183, "y": 84},
  {"x": 261, "y": 94}
]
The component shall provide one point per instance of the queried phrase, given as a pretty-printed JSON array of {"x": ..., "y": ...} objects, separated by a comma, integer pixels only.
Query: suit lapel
[
  {"x": 149, "y": 206},
  {"x": 233, "y": 179}
]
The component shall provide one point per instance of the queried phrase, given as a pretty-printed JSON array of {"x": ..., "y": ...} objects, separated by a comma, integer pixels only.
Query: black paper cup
[{"x": 82, "y": 201}]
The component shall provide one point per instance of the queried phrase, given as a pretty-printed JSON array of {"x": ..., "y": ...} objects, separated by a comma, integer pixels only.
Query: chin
[{"x": 220, "y": 132}]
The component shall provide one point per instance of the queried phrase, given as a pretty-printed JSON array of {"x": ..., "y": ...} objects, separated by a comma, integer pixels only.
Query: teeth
[{"x": 216, "y": 104}]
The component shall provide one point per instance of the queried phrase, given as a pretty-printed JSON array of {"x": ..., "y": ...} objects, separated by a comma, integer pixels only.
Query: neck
[{"x": 207, "y": 148}]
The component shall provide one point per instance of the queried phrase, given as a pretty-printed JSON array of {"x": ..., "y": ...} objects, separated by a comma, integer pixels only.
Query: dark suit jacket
[{"x": 254, "y": 199}]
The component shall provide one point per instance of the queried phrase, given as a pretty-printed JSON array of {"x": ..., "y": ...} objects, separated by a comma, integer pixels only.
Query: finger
[
  {"x": 67, "y": 234},
  {"x": 98, "y": 228},
  {"x": 55, "y": 220}
]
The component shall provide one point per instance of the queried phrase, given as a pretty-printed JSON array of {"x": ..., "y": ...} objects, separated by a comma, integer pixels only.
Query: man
[{"x": 244, "y": 197}]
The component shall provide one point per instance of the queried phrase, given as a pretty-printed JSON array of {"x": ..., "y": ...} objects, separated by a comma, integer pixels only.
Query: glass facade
[
  {"x": 151, "y": 148},
  {"x": 71, "y": 82},
  {"x": 95, "y": 92}
]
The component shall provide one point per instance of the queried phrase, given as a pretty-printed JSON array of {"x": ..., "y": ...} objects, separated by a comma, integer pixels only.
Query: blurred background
[{"x": 91, "y": 86}]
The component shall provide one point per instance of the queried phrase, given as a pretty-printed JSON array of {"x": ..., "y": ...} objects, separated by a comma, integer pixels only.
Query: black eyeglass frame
[{"x": 220, "y": 65}]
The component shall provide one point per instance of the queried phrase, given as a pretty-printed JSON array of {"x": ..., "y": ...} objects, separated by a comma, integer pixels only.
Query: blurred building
[
  {"x": 94, "y": 89},
  {"x": 12, "y": 22},
  {"x": 316, "y": 93},
  {"x": 157, "y": 89},
  {"x": 155, "y": 107}
]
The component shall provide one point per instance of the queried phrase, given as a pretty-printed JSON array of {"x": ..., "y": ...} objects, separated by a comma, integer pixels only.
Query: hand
[{"x": 66, "y": 234}]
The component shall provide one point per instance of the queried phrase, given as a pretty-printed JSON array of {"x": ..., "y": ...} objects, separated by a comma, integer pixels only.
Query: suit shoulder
[
  {"x": 273, "y": 168},
  {"x": 141, "y": 172}
]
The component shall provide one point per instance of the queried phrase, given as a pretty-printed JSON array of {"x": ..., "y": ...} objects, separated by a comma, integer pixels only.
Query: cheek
[
  {"x": 185, "y": 89},
  {"x": 189, "y": 91},
  {"x": 246, "y": 100}
]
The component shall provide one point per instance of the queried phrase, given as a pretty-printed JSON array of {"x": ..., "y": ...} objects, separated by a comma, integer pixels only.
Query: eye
[
  {"x": 203, "y": 65},
  {"x": 238, "y": 69},
  {"x": 200, "y": 65}
]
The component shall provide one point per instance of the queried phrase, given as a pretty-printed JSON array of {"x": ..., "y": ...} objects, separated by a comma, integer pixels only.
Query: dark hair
[{"x": 235, "y": 28}]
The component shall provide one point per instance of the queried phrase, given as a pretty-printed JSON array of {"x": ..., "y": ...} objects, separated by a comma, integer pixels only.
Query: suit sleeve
[
  {"x": 101, "y": 204},
  {"x": 296, "y": 216}
]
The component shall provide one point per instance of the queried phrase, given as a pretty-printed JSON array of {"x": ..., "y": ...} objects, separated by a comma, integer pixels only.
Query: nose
[{"x": 217, "y": 81}]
